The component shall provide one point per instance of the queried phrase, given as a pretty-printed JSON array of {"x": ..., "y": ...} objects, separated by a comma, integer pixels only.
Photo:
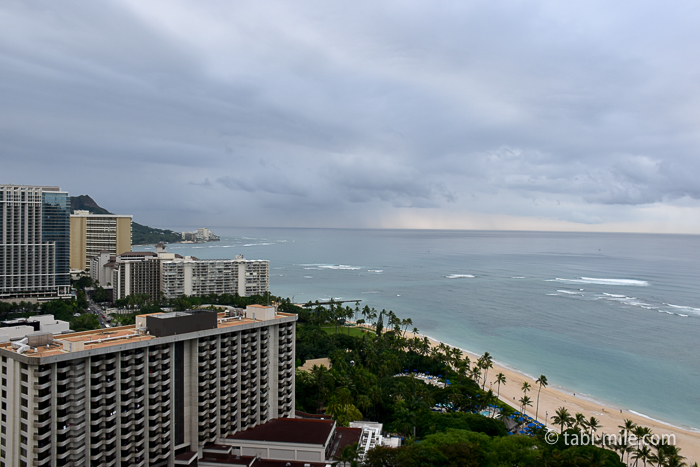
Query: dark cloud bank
[{"x": 406, "y": 114}]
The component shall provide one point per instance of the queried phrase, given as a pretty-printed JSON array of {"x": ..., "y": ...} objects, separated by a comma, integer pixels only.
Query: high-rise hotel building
[
  {"x": 142, "y": 395},
  {"x": 34, "y": 241},
  {"x": 91, "y": 234}
]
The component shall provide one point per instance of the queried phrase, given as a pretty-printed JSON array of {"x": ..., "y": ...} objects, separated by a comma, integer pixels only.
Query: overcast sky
[{"x": 538, "y": 115}]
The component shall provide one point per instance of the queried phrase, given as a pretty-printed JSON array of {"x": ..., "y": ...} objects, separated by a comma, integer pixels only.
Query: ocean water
[{"x": 615, "y": 317}]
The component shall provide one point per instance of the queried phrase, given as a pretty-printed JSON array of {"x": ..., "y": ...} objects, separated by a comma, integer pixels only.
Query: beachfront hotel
[
  {"x": 169, "y": 275},
  {"x": 34, "y": 242},
  {"x": 154, "y": 394},
  {"x": 193, "y": 276},
  {"x": 91, "y": 234}
]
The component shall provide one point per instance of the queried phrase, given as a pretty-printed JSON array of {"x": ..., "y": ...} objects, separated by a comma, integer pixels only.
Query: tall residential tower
[{"x": 34, "y": 241}]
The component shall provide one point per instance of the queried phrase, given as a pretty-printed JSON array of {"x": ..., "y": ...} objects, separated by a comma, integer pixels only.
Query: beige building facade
[{"x": 91, "y": 234}]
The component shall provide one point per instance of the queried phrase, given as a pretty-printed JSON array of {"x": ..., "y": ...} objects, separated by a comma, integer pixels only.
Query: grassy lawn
[{"x": 356, "y": 332}]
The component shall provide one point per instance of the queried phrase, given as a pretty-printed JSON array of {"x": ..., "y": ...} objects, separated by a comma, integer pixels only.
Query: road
[{"x": 101, "y": 317}]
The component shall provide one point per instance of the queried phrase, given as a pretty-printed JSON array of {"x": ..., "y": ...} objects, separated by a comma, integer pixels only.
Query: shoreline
[{"x": 552, "y": 397}]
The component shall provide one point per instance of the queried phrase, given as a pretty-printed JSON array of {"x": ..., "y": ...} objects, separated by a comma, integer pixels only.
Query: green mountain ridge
[{"x": 140, "y": 234}]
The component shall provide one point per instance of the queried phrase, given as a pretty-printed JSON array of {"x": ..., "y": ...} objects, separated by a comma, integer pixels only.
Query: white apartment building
[
  {"x": 192, "y": 276},
  {"x": 143, "y": 395},
  {"x": 174, "y": 275}
]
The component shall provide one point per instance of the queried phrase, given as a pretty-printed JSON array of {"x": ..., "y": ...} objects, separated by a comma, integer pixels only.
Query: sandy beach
[{"x": 551, "y": 399}]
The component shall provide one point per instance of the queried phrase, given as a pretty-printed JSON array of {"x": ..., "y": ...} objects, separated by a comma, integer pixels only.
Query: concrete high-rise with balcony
[
  {"x": 192, "y": 276},
  {"x": 91, "y": 234},
  {"x": 169, "y": 275},
  {"x": 142, "y": 395},
  {"x": 34, "y": 241}
]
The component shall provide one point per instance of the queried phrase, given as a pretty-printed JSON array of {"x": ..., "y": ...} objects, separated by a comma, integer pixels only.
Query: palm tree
[
  {"x": 526, "y": 387},
  {"x": 628, "y": 426},
  {"x": 642, "y": 453},
  {"x": 500, "y": 378},
  {"x": 640, "y": 432},
  {"x": 562, "y": 417},
  {"x": 542, "y": 381},
  {"x": 349, "y": 456},
  {"x": 579, "y": 420},
  {"x": 475, "y": 373},
  {"x": 660, "y": 458},
  {"x": 525, "y": 402},
  {"x": 625, "y": 430},
  {"x": 341, "y": 407},
  {"x": 486, "y": 363},
  {"x": 676, "y": 460},
  {"x": 593, "y": 425}
]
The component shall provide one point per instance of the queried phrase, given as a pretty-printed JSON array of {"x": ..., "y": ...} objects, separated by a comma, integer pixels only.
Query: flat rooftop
[
  {"x": 289, "y": 430},
  {"x": 102, "y": 338}
]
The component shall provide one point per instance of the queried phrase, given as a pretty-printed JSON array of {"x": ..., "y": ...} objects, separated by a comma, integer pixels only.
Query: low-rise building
[
  {"x": 285, "y": 440},
  {"x": 18, "y": 328}
]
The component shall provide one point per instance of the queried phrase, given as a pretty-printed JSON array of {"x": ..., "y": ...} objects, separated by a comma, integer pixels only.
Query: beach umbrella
[
  {"x": 405, "y": 371},
  {"x": 427, "y": 372},
  {"x": 531, "y": 424}
]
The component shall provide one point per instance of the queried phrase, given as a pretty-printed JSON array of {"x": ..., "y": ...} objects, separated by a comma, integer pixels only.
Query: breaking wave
[{"x": 599, "y": 281}]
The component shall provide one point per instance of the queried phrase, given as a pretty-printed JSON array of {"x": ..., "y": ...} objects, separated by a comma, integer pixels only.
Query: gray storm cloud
[{"x": 271, "y": 113}]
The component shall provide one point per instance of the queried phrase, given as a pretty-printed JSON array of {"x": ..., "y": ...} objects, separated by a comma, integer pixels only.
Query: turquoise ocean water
[{"x": 615, "y": 317}]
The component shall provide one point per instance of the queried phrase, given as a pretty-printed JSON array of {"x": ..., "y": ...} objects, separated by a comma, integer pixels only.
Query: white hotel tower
[{"x": 143, "y": 395}]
